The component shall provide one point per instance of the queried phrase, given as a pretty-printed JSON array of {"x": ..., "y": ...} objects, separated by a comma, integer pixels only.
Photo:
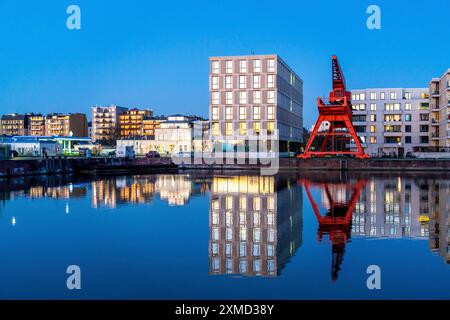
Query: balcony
[
  {"x": 435, "y": 122},
  {"x": 435, "y": 135}
]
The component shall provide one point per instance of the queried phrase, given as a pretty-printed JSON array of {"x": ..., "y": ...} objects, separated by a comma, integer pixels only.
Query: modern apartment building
[
  {"x": 392, "y": 121},
  {"x": 131, "y": 123},
  {"x": 254, "y": 94},
  {"x": 105, "y": 124},
  {"x": 255, "y": 225},
  {"x": 65, "y": 125},
  {"x": 36, "y": 125},
  {"x": 14, "y": 124},
  {"x": 440, "y": 111}
]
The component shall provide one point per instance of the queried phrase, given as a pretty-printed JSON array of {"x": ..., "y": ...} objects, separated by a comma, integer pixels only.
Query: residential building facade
[
  {"x": 392, "y": 121},
  {"x": 36, "y": 125},
  {"x": 14, "y": 124},
  {"x": 131, "y": 123},
  {"x": 440, "y": 111},
  {"x": 65, "y": 125},
  {"x": 250, "y": 95},
  {"x": 105, "y": 124}
]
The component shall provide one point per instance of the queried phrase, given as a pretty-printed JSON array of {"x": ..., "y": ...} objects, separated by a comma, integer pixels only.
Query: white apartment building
[
  {"x": 392, "y": 121},
  {"x": 250, "y": 95},
  {"x": 440, "y": 111},
  {"x": 105, "y": 123}
]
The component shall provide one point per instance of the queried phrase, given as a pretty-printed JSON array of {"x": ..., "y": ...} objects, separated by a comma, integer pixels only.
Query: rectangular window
[
  {"x": 359, "y": 107},
  {"x": 256, "y": 127},
  {"x": 424, "y": 128},
  {"x": 243, "y": 97},
  {"x": 424, "y": 117},
  {"x": 270, "y": 81},
  {"x": 243, "y": 128},
  {"x": 408, "y": 95},
  {"x": 229, "y": 128},
  {"x": 382, "y": 96},
  {"x": 270, "y": 113},
  {"x": 229, "y": 82},
  {"x": 424, "y": 139},
  {"x": 407, "y": 139},
  {"x": 373, "y": 128},
  {"x": 407, "y": 128},
  {"x": 270, "y": 96},
  {"x": 408, "y": 117},
  {"x": 229, "y": 113},
  {"x": 373, "y": 107},
  {"x": 373, "y": 117},
  {"x": 392, "y": 106},
  {"x": 242, "y": 113},
  {"x": 215, "y": 83},
  {"x": 229, "y": 97},
  {"x": 392, "y": 117},
  {"x": 271, "y": 65},
  {"x": 215, "y": 67},
  {"x": 215, "y": 113},
  {"x": 257, "y": 65},
  {"x": 242, "y": 82},
  {"x": 256, "y": 113},
  {"x": 270, "y": 127},
  {"x": 373, "y": 139},
  {"x": 392, "y": 140},
  {"x": 243, "y": 66},
  {"x": 373, "y": 96},
  {"x": 392, "y": 128},
  {"x": 424, "y": 105},
  {"x": 256, "y": 97},
  {"x": 408, "y": 106},
  {"x": 256, "y": 82},
  {"x": 215, "y": 98},
  {"x": 393, "y": 95},
  {"x": 215, "y": 129},
  {"x": 229, "y": 66},
  {"x": 362, "y": 96}
]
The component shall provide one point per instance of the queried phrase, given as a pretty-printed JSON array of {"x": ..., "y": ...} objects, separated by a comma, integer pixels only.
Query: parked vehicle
[
  {"x": 125, "y": 152},
  {"x": 152, "y": 154}
]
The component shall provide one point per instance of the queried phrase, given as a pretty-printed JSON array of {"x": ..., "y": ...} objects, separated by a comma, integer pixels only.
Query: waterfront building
[
  {"x": 149, "y": 126},
  {"x": 392, "y": 121},
  {"x": 440, "y": 220},
  {"x": 255, "y": 225},
  {"x": 66, "y": 125},
  {"x": 131, "y": 123},
  {"x": 36, "y": 125},
  {"x": 14, "y": 124},
  {"x": 440, "y": 112},
  {"x": 105, "y": 124},
  {"x": 250, "y": 95}
]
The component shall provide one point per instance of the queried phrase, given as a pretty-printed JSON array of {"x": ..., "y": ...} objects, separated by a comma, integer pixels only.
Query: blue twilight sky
[{"x": 155, "y": 53}]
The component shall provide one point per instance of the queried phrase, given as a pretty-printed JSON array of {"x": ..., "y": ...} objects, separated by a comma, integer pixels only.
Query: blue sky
[{"x": 155, "y": 53}]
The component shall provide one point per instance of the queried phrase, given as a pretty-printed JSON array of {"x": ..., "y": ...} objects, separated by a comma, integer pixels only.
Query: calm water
[{"x": 206, "y": 237}]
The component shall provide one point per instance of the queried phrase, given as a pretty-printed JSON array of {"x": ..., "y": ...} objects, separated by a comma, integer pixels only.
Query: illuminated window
[
  {"x": 215, "y": 113},
  {"x": 243, "y": 128},
  {"x": 382, "y": 95},
  {"x": 242, "y": 82},
  {"x": 257, "y": 65},
  {"x": 393, "y": 95},
  {"x": 229, "y": 97},
  {"x": 256, "y": 127},
  {"x": 229, "y": 113},
  {"x": 373, "y": 139},
  {"x": 373, "y": 106},
  {"x": 392, "y": 106},
  {"x": 257, "y": 82},
  {"x": 242, "y": 113},
  {"x": 243, "y": 66},
  {"x": 229, "y": 66},
  {"x": 270, "y": 96},
  {"x": 270, "y": 81},
  {"x": 215, "y": 83},
  {"x": 243, "y": 97},
  {"x": 257, "y": 97},
  {"x": 215, "y": 67},
  {"x": 373, "y": 117},
  {"x": 271, "y": 65},
  {"x": 256, "y": 113},
  {"x": 228, "y": 82},
  {"x": 215, "y": 129},
  {"x": 270, "y": 126},
  {"x": 229, "y": 128},
  {"x": 373, "y": 129},
  {"x": 407, "y": 95},
  {"x": 215, "y": 98},
  {"x": 270, "y": 113},
  {"x": 373, "y": 96}
]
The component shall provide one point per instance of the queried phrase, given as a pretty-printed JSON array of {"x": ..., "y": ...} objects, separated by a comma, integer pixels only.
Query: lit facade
[
  {"x": 14, "y": 124},
  {"x": 440, "y": 111},
  {"x": 36, "y": 125},
  {"x": 65, "y": 125},
  {"x": 392, "y": 121},
  {"x": 105, "y": 124},
  {"x": 254, "y": 94},
  {"x": 131, "y": 124}
]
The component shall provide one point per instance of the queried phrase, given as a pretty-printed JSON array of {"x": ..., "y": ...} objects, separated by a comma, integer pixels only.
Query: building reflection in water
[{"x": 255, "y": 224}]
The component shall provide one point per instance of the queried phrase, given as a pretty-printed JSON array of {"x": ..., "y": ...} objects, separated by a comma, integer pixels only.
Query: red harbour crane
[{"x": 338, "y": 113}]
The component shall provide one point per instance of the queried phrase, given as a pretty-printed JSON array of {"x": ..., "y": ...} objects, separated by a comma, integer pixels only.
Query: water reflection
[{"x": 255, "y": 225}]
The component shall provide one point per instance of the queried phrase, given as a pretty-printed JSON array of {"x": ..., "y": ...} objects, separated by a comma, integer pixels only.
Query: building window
[
  {"x": 215, "y": 113},
  {"x": 270, "y": 96},
  {"x": 373, "y": 96},
  {"x": 407, "y": 128},
  {"x": 229, "y": 66},
  {"x": 243, "y": 97},
  {"x": 215, "y": 83},
  {"x": 373, "y": 128},
  {"x": 215, "y": 67},
  {"x": 407, "y": 139},
  {"x": 256, "y": 97},
  {"x": 215, "y": 98},
  {"x": 393, "y": 95},
  {"x": 242, "y": 82},
  {"x": 408, "y": 106},
  {"x": 382, "y": 96},
  {"x": 242, "y": 113},
  {"x": 229, "y": 97},
  {"x": 359, "y": 107},
  {"x": 373, "y": 139},
  {"x": 424, "y": 139},
  {"x": 256, "y": 127},
  {"x": 215, "y": 129},
  {"x": 229, "y": 128},
  {"x": 270, "y": 81},
  {"x": 243, "y": 128},
  {"x": 243, "y": 66},
  {"x": 256, "y": 113},
  {"x": 392, "y": 140},
  {"x": 373, "y": 118},
  {"x": 257, "y": 65},
  {"x": 270, "y": 113},
  {"x": 408, "y": 95},
  {"x": 229, "y": 113},
  {"x": 392, "y": 106},
  {"x": 424, "y": 105},
  {"x": 424, "y": 128},
  {"x": 373, "y": 107},
  {"x": 257, "y": 82},
  {"x": 229, "y": 82},
  {"x": 270, "y": 127},
  {"x": 408, "y": 117},
  {"x": 424, "y": 117},
  {"x": 392, "y": 128},
  {"x": 271, "y": 65}
]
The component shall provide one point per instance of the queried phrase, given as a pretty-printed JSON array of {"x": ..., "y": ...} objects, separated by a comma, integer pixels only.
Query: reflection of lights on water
[
  {"x": 67, "y": 208},
  {"x": 13, "y": 221},
  {"x": 71, "y": 188}
]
